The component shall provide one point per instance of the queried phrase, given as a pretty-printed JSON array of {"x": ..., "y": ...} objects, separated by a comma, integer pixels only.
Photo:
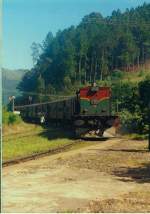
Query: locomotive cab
[{"x": 95, "y": 100}]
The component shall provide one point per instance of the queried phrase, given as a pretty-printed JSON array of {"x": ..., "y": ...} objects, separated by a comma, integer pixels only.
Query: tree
[
  {"x": 92, "y": 50},
  {"x": 40, "y": 89},
  {"x": 144, "y": 92},
  {"x": 36, "y": 51}
]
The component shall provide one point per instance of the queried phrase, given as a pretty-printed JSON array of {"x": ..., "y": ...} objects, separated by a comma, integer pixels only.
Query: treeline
[{"x": 92, "y": 51}]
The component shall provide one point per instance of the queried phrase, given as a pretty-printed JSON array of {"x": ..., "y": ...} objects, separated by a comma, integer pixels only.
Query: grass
[
  {"x": 136, "y": 76},
  {"x": 29, "y": 139},
  {"x": 31, "y": 145},
  {"x": 20, "y": 140},
  {"x": 16, "y": 145},
  {"x": 21, "y": 128}
]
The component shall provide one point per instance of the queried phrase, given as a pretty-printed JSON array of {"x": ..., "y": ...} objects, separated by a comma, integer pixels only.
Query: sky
[{"x": 28, "y": 21}]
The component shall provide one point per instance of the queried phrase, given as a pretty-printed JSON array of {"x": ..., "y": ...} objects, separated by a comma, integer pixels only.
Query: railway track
[
  {"x": 51, "y": 151},
  {"x": 48, "y": 152},
  {"x": 39, "y": 154}
]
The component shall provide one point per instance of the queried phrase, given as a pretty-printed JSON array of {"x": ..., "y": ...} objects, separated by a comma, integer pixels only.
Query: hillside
[
  {"x": 10, "y": 80},
  {"x": 134, "y": 76},
  {"x": 91, "y": 51}
]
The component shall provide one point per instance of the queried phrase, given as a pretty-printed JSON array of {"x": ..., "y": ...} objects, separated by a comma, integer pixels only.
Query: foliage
[
  {"x": 9, "y": 118},
  {"x": 135, "y": 112},
  {"x": 117, "y": 75},
  {"x": 144, "y": 92},
  {"x": 92, "y": 51},
  {"x": 131, "y": 122}
]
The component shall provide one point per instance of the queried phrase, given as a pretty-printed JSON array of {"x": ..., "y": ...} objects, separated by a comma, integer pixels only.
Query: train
[{"x": 89, "y": 110}]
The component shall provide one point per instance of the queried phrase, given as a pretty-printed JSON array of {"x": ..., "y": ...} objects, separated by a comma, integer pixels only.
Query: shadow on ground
[
  {"x": 52, "y": 133},
  {"x": 118, "y": 162},
  {"x": 57, "y": 133},
  {"x": 139, "y": 174}
]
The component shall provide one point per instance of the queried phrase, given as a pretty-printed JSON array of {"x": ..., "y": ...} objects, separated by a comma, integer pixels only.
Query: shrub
[
  {"x": 117, "y": 74},
  {"x": 144, "y": 91},
  {"x": 9, "y": 118},
  {"x": 131, "y": 122},
  {"x": 141, "y": 73}
]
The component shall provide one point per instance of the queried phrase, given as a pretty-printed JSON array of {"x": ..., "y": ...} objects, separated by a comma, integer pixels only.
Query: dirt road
[{"x": 110, "y": 176}]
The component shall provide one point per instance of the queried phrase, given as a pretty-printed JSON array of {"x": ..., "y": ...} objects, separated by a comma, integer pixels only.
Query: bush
[
  {"x": 117, "y": 74},
  {"x": 141, "y": 73},
  {"x": 131, "y": 122},
  {"x": 144, "y": 91},
  {"x": 9, "y": 118}
]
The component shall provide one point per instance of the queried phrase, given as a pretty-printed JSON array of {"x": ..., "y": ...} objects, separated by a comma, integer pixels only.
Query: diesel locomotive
[{"x": 89, "y": 110}]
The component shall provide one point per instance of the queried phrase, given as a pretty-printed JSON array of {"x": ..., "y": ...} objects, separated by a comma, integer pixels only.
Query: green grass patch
[
  {"x": 22, "y": 144},
  {"x": 25, "y": 146},
  {"x": 20, "y": 129}
]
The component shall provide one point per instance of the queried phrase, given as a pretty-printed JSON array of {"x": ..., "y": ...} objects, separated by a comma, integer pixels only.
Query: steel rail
[{"x": 39, "y": 155}]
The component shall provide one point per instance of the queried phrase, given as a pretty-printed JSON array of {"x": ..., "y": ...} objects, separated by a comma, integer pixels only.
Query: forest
[{"x": 91, "y": 51}]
